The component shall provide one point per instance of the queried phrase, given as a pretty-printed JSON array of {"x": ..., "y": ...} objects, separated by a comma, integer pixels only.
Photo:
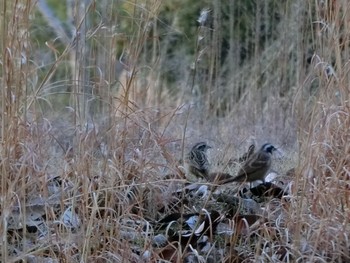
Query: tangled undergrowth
[{"x": 91, "y": 160}]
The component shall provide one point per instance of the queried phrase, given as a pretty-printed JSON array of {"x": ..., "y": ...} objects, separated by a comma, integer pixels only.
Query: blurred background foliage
[{"x": 247, "y": 59}]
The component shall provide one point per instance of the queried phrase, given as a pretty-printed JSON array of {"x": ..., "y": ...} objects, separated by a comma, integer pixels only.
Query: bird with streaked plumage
[
  {"x": 256, "y": 166},
  {"x": 196, "y": 161}
]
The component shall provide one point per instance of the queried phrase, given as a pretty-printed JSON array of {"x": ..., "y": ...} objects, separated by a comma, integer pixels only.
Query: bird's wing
[
  {"x": 257, "y": 162},
  {"x": 199, "y": 160},
  {"x": 251, "y": 150}
]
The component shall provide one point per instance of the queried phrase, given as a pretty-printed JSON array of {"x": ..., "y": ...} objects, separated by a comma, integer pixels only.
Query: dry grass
[{"x": 92, "y": 159}]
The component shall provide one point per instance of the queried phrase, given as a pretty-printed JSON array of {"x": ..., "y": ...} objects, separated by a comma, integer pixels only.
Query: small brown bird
[
  {"x": 256, "y": 167},
  {"x": 197, "y": 162}
]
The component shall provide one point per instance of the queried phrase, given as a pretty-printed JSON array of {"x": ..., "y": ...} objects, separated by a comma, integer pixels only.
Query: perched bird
[
  {"x": 197, "y": 162},
  {"x": 256, "y": 167}
]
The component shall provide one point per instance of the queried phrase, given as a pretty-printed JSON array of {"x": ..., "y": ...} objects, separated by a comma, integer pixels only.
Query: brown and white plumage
[
  {"x": 256, "y": 166},
  {"x": 197, "y": 162}
]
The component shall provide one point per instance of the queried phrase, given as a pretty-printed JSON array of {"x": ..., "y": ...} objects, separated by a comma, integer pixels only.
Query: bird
[
  {"x": 197, "y": 162},
  {"x": 256, "y": 166}
]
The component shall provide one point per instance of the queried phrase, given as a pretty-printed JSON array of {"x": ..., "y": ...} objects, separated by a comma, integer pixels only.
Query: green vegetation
[{"x": 101, "y": 100}]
